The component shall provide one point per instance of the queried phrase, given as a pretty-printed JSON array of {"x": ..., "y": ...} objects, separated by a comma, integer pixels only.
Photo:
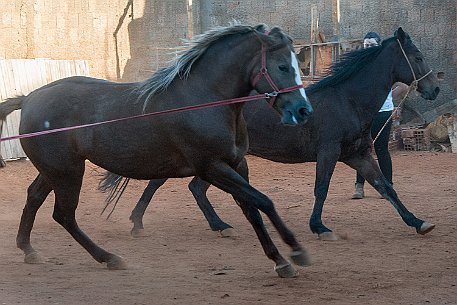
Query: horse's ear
[
  {"x": 401, "y": 35},
  {"x": 262, "y": 28},
  {"x": 271, "y": 37},
  {"x": 276, "y": 32},
  {"x": 279, "y": 35},
  {"x": 261, "y": 32}
]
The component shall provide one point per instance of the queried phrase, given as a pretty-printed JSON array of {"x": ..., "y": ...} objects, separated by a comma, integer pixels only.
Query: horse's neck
[
  {"x": 375, "y": 82},
  {"x": 220, "y": 68}
]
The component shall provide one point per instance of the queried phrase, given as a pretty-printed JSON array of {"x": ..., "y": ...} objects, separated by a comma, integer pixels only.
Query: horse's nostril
[
  {"x": 305, "y": 111},
  {"x": 437, "y": 90}
]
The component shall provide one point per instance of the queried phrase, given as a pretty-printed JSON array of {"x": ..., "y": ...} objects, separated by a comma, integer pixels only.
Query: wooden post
[
  {"x": 314, "y": 17},
  {"x": 190, "y": 20},
  {"x": 2, "y": 163},
  {"x": 336, "y": 28}
]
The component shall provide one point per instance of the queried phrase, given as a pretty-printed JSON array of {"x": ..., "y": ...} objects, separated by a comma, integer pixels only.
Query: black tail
[
  {"x": 6, "y": 107},
  {"x": 115, "y": 185},
  {"x": 9, "y": 105}
]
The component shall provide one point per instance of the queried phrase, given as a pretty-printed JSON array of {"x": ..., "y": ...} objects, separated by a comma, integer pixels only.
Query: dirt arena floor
[{"x": 181, "y": 261}]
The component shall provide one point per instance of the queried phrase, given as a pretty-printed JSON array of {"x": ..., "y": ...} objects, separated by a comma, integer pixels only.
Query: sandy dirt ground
[{"x": 181, "y": 261}]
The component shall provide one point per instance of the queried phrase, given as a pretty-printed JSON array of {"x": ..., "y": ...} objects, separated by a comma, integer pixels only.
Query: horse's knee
[
  {"x": 320, "y": 194},
  {"x": 35, "y": 197},
  {"x": 57, "y": 216},
  {"x": 265, "y": 205},
  {"x": 198, "y": 187},
  {"x": 62, "y": 217},
  {"x": 192, "y": 186}
]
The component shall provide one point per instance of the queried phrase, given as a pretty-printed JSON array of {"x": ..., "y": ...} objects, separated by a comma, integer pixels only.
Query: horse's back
[{"x": 75, "y": 100}]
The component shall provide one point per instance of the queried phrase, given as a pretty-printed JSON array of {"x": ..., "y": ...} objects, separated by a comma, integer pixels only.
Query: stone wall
[
  {"x": 127, "y": 40},
  {"x": 117, "y": 37},
  {"x": 431, "y": 24}
]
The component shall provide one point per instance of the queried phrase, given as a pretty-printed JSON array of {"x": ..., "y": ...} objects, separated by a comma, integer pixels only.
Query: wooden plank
[
  {"x": 10, "y": 92},
  {"x": 22, "y": 76},
  {"x": 3, "y": 96},
  {"x": 7, "y": 80},
  {"x": 42, "y": 73},
  {"x": 2, "y": 80}
]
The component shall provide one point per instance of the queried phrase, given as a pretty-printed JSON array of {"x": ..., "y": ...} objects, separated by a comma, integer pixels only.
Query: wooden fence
[{"x": 22, "y": 76}]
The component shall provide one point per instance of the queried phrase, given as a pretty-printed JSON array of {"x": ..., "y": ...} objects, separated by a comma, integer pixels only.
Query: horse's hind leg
[
  {"x": 67, "y": 190},
  {"x": 198, "y": 187},
  {"x": 140, "y": 208},
  {"x": 36, "y": 195},
  {"x": 369, "y": 169}
]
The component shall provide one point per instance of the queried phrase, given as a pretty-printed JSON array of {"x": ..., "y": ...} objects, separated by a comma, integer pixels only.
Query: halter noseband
[{"x": 264, "y": 73}]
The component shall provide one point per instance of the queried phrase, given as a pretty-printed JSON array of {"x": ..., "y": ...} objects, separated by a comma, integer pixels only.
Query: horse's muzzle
[
  {"x": 430, "y": 94},
  {"x": 297, "y": 115}
]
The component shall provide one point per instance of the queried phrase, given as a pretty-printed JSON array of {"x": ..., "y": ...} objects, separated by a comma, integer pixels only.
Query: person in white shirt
[{"x": 381, "y": 145}]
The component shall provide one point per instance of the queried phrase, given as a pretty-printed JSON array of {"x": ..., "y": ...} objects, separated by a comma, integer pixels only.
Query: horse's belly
[{"x": 149, "y": 166}]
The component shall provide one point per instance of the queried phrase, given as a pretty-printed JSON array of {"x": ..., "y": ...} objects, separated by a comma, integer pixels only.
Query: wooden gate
[{"x": 22, "y": 76}]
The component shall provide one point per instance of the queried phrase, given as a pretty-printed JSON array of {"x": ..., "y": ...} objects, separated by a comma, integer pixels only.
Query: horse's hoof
[
  {"x": 137, "y": 232},
  {"x": 33, "y": 258},
  {"x": 229, "y": 232},
  {"x": 328, "y": 236},
  {"x": 425, "y": 228},
  {"x": 116, "y": 263},
  {"x": 300, "y": 258},
  {"x": 286, "y": 271}
]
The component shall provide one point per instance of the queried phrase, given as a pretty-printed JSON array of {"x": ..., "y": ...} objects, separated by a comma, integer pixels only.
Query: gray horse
[{"x": 223, "y": 64}]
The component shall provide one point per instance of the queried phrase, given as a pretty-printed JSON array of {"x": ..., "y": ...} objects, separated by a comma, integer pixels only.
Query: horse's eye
[
  {"x": 283, "y": 68},
  {"x": 418, "y": 58}
]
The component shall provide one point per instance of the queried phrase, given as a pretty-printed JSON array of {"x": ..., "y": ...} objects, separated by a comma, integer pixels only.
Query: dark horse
[
  {"x": 345, "y": 103},
  {"x": 224, "y": 63}
]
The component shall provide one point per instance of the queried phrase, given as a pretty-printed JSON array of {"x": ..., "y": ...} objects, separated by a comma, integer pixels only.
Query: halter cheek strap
[
  {"x": 264, "y": 73},
  {"x": 412, "y": 87},
  {"x": 415, "y": 81}
]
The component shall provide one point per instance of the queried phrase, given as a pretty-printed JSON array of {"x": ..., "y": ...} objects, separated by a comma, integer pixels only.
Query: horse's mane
[
  {"x": 349, "y": 64},
  {"x": 182, "y": 64}
]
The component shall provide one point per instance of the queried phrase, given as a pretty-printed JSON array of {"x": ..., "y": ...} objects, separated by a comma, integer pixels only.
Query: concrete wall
[
  {"x": 128, "y": 39},
  {"x": 66, "y": 29},
  {"x": 114, "y": 36}
]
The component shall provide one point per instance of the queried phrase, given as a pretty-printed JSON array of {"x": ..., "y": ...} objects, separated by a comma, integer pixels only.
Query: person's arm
[{"x": 399, "y": 91}]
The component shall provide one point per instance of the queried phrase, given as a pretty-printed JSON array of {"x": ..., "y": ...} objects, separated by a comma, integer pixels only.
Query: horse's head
[
  {"x": 412, "y": 68},
  {"x": 276, "y": 73}
]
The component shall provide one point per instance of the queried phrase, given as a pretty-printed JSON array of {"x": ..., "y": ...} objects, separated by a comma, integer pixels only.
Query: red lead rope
[
  {"x": 263, "y": 72},
  {"x": 175, "y": 110}
]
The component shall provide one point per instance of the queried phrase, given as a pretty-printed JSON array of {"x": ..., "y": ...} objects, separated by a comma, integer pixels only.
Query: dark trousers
[{"x": 381, "y": 146}]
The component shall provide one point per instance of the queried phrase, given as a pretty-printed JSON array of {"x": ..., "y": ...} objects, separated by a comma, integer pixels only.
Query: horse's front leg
[
  {"x": 199, "y": 187},
  {"x": 326, "y": 162},
  {"x": 251, "y": 201},
  {"x": 140, "y": 208},
  {"x": 369, "y": 169}
]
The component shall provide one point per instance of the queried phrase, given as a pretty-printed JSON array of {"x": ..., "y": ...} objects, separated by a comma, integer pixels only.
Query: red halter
[{"x": 264, "y": 73}]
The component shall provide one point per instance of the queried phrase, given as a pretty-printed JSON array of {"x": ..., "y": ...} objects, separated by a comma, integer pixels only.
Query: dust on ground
[{"x": 181, "y": 261}]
